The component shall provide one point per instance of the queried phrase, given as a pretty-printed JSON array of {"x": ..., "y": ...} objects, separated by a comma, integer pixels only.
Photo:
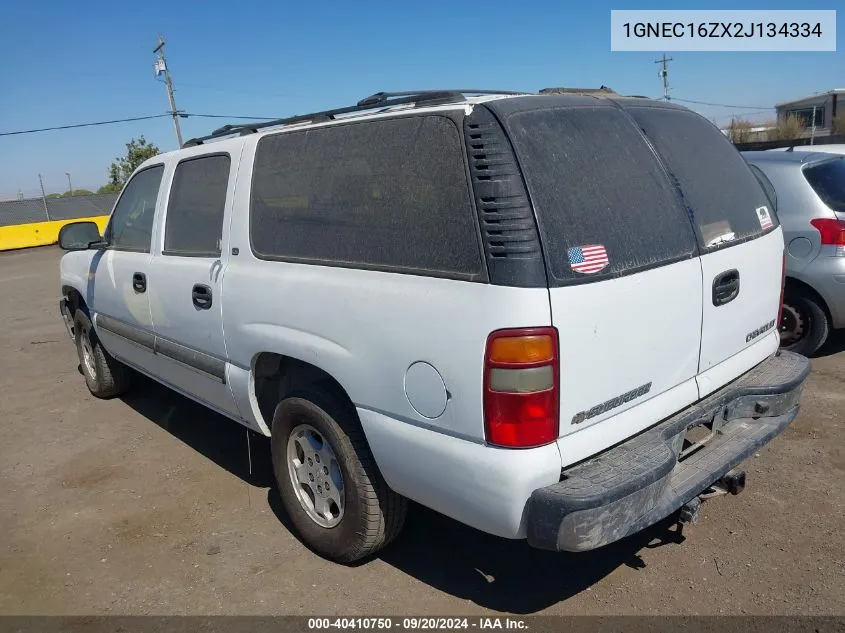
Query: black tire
[
  {"x": 373, "y": 514},
  {"x": 805, "y": 321},
  {"x": 110, "y": 377}
]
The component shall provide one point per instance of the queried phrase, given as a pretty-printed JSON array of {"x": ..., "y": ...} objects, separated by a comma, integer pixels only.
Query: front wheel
[
  {"x": 105, "y": 376},
  {"x": 328, "y": 480},
  {"x": 804, "y": 324}
]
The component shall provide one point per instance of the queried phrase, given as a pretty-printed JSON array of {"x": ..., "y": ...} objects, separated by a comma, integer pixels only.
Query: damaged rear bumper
[{"x": 651, "y": 475}]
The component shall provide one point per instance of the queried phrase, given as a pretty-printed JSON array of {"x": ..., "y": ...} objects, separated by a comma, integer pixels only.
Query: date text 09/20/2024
[{"x": 416, "y": 623}]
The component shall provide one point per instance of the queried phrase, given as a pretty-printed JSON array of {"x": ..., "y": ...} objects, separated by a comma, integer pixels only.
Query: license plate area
[{"x": 697, "y": 436}]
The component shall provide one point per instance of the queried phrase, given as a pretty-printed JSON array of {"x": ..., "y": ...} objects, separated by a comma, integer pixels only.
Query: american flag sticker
[
  {"x": 587, "y": 259},
  {"x": 764, "y": 217}
]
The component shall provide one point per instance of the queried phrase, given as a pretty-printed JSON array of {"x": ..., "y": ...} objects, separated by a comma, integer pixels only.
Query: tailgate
[{"x": 739, "y": 238}]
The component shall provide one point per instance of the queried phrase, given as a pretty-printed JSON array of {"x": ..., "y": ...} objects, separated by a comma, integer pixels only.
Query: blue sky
[{"x": 69, "y": 62}]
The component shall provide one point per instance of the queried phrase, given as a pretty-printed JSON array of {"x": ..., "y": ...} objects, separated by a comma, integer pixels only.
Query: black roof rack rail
[{"x": 377, "y": 100}]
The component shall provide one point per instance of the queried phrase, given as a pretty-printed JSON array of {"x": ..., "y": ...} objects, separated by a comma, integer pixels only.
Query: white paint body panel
[
  {"x": 724, "y": 328},
  {"x": 619, "y": 334},
  {"x": 479, "y": 485}
]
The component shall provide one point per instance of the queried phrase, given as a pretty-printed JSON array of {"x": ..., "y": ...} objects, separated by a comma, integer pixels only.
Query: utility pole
[
  {"x": 44, "y": 198},
  {"x": 69, "y": 185},
  {"x": 160, "y": 67},
  {"x": 663, "y": 73}
]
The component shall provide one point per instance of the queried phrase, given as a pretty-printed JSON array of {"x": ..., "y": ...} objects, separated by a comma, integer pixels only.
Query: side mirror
[{"x": 79, "y": 236}]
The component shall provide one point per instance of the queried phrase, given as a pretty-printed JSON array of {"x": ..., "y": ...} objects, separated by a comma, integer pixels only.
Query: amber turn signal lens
[{"x": 522, "y": 349}]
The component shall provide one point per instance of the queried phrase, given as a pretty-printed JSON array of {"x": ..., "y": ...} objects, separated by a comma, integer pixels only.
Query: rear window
[
  {"x": 726, "y": 200},
  {"x": 599, "y": 193},
  {"x": 828, "y": 181},
  {"x": 388, "y": 194}
]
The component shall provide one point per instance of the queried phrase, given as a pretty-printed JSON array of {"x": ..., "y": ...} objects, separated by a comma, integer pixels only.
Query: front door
[
  {"x": 186, "y": 280},
  {"x": 119, "y": 285}
]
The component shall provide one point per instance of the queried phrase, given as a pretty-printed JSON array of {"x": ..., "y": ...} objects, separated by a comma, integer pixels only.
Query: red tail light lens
[
  {"x": 832, "y": 231},
  {"x": 521, "y": 387}
]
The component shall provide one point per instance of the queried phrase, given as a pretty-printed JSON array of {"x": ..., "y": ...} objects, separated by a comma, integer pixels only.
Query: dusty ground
[{"x": 145, "y": 505}]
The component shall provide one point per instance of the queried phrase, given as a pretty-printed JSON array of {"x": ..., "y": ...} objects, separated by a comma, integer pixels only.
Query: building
[{"x": 824, "y": 106}]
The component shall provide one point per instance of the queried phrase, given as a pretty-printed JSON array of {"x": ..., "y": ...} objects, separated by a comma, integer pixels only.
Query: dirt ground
[{"x": 145, "y": 505}]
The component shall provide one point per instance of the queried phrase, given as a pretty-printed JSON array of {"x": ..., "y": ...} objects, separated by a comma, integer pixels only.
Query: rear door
[
  {"x": 740, "y": 241},
  {"x": 186, "y": 280},
  {"x": 625, "y": 282}
]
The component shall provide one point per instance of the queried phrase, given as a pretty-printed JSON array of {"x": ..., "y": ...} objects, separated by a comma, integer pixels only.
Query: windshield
[{"x": 828, "y": 181}]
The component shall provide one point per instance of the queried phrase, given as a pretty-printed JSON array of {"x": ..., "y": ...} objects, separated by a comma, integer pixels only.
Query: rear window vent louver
[{"x": 508, "y": 227}]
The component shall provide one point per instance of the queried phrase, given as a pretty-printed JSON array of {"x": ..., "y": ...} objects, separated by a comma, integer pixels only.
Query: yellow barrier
[{"x": 39, "y": 233}]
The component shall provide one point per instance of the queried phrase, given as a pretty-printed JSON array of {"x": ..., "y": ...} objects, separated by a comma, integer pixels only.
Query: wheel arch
[
  {"x": 274, "y": 376},
  {"x": 795, "y": 285}
]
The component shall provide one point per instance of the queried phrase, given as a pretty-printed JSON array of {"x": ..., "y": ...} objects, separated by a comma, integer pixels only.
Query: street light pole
[
  {"x": 69, "y": 185},
  {"x": 44, "y": 198}
]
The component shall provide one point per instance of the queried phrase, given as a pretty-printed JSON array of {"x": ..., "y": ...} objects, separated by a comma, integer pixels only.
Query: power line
[
  {"x": 76, "y": 125},
  {"x": 183, "y": 115},
  {"x": 724, "y": 105}
]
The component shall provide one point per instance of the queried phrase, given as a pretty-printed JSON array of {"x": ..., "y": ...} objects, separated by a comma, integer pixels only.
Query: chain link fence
[{"x": 14, "y": 212}]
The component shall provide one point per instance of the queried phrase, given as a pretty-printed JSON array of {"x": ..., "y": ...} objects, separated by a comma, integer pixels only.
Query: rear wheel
[
  {"x": 105, "y": 376},
  {"x": 328, "y": 480},
  {"x": 804, "y": 325}
]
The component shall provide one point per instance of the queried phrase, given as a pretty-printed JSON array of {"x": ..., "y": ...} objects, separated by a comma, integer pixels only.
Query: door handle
[
  {"x": 139, "y": 282},
  {"x": 201, "y": 296},
  {"x": 725, "y": 287}
]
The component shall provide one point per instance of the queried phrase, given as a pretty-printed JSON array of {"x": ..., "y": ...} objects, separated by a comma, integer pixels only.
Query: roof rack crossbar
[{"x": 378, "y": 100}]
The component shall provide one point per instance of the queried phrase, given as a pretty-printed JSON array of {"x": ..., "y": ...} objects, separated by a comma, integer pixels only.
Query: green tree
[{"x": 137, "y": 151}]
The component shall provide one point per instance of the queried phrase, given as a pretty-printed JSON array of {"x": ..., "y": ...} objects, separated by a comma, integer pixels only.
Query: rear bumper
[{"x": 637, "y": 483}]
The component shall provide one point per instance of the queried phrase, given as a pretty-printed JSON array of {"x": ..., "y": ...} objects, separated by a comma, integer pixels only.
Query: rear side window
[
  {"x": 194, "y": 225},
  {"x": 828, "y": 181},
  {"x": 726, "y": 200},
  {"x": 389, "y": 194},
  {"x": 598, "y": 191}
]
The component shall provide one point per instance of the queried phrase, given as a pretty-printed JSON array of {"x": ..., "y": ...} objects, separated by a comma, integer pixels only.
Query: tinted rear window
[
  {"x": 390, "y": 194},
  {"x": 594, "y": 182},
  {"x": 717, "y": 184},
  {"x": 828, "y": 181},
  {"x": 194, "y": 224}
]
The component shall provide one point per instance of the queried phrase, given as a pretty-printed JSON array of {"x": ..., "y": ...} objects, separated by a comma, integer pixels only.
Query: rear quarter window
[
  {"x": 828, "y": 181},
  {"x": 718, "y": 187},
  {"x": 388, "y": 194},
  {"x": 594, "y": 182}
]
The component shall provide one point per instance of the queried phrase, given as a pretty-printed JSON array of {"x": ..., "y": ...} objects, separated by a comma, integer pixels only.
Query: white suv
[{"x": 548, "y": 317}]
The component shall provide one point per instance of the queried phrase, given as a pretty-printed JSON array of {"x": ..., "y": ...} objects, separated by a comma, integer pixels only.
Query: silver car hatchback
[{"x": 808, "y": 191}]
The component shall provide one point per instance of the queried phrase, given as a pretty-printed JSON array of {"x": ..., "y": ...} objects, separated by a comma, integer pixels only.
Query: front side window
[
  {"x": 194, "y": 224},
  {"x": 131, "y": 224}
]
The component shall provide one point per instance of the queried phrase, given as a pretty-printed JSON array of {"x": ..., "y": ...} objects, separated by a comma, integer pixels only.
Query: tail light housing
[
  {"x": 832, "y": 232},
  {"x": 521, "y": 387},
  {"x": 782, "y": 288}
]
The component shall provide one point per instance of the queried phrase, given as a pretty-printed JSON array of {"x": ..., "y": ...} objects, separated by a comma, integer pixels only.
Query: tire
[
  {"x": 372, "y": 514},
  {"x": 804, "y": 325},
  {"x": 105, "y": 376}
]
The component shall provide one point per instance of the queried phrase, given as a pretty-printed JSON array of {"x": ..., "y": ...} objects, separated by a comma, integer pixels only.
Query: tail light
[
  {"x": 521, "y": 391},
  {"x": 782, "y": 288},
  {"x": 832, "y": 232}
]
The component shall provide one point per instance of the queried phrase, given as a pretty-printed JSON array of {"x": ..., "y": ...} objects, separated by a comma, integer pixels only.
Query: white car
[{"x": 548, "y": 317}]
